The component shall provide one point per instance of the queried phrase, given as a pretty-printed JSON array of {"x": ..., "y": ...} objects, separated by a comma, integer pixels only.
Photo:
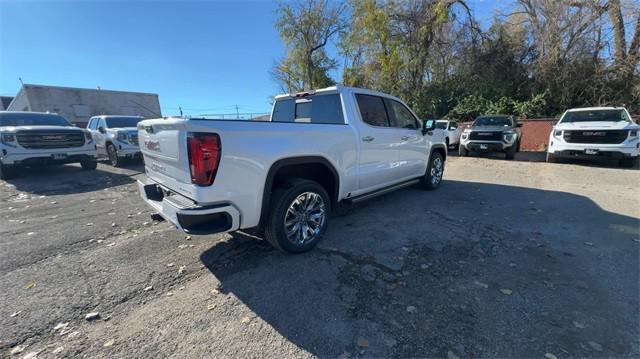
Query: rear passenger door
[{"x": 378, "y": 150}]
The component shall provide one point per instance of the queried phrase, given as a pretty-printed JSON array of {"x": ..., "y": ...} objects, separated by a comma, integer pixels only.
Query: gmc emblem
[
  {"x": 594, "y": 133},
  {"x": 152, "y": 145}
]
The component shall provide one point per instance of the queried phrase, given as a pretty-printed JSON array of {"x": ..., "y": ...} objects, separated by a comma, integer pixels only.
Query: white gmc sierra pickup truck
[{"x": 284, "y": 176}]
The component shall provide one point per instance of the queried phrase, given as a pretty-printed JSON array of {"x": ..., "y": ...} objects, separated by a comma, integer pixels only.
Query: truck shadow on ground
[
  {"x": 70, "y": 179},
  {"x": 473, "y": 269}
]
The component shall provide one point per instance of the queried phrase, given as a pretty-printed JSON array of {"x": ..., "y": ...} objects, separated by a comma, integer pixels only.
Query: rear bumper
[{"x": 186, "y": 215}]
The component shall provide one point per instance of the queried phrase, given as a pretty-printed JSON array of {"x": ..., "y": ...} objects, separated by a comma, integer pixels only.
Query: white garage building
[{"x": 78, "y": 104}]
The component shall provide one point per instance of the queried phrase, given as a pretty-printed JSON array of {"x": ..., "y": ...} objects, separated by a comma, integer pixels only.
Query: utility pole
[
  {"x": 237, "y": 112},
  {"x": 20, "y": 79},
  {"x": 180, "y": 108}
]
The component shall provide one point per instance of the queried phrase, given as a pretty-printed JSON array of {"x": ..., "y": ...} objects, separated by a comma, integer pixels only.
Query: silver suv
[{"x": 116, "y": 137}]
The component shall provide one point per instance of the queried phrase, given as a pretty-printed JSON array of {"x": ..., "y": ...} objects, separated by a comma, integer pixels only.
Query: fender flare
[{"x": 279, "y": 164}]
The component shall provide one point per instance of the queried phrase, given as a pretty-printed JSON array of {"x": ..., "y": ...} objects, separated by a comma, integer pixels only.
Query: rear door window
[
  {"x": 372, "y": 110},
  {"x": 324, "y": 109},
  {"x": 400, "y": 115}
]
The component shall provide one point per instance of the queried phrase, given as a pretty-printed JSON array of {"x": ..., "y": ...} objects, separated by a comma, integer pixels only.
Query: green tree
[{"x": 306, "y": 26}]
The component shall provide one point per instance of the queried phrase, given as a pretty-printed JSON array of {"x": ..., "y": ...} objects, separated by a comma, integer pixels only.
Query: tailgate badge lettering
[{"x": 152, "y": 145}]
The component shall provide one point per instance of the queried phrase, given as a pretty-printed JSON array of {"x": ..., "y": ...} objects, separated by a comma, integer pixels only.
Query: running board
[{"x": 382, "y": 191}]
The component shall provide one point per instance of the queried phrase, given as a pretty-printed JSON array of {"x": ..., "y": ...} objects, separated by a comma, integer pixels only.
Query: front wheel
[
  {"x": 90, "y": 164},
  {"x": 113, "y": 156},
  {"x": 631, "y": 162},
  {"x": 299, "y": 215},
  {"x": 510, "y": 153},
  {"x": 435, "y": 171},
  {"x": 7, "y": 171}
]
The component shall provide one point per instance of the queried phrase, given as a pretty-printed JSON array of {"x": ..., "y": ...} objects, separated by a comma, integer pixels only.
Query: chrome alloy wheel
[
  {"x": 305, "y": 218},
  {"x": 437, "y": 169}
]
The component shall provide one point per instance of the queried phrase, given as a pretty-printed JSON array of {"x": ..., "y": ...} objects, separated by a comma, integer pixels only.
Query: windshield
[
  {"x": 493, "y": 121},
  {"x": 441, "y": 125},
  {"x": 31, "y": 119},
  {"x": 595, "y": 115},
  {"x": 123, "y": 122}
]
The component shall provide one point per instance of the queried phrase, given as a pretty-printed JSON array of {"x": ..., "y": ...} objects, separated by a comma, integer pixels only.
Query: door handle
[{"x": 368, "y": 138}]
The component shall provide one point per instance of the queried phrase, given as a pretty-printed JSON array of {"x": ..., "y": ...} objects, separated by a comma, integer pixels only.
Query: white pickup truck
[{"x": 284, "y": 176}]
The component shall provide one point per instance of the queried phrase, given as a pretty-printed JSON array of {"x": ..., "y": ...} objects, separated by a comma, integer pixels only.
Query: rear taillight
[{"x": 204, "y": 157}]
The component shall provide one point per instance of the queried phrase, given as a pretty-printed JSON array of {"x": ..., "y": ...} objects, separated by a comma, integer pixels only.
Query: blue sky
[{"x": 205, "y": 56}]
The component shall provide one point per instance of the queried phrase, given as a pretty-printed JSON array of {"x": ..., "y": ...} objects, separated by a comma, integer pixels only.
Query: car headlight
[
  {"x": 633, "y": 133},
  {"x": 509, "y": 136},
  {"x": 465, "y": 134},
  {"x": 122, "y": 137},
  {"x": 557, "y": 134},
  {"x": 7, "y": 138},
  {"x": 88, "y": 138}
]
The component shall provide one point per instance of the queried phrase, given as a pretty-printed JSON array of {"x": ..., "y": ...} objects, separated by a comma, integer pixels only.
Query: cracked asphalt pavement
[{"x": 505, "y": 259}]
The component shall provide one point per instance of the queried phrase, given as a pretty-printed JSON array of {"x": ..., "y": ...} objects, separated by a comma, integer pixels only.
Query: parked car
[
  {"x": 595, "y": 132},
  {"x": 491, "y": 133},
  {"x": 285, "y": 176},
  {"x": 453, "y": 131},
  {"x": 116, "y": 137},
  {"x": 33, "y": 139}
]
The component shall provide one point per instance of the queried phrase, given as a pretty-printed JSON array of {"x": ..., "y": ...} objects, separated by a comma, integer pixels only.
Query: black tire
[
  {"x": 551, "y": 158},
  {"x": 7, "y": 172},
  {"x": 282, "y": 199},
  {"x": 89, "y": 165},
  {"x": 510, "y": 153},
  {"x": 112, "y": 153},
  {"x": 631, "y": 162},
  {"x": 462, "y": 151},
  {"x": 433, "y": 178}
]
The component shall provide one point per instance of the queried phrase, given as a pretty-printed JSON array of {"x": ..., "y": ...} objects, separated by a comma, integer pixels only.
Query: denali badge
[
  {"x": 484, "y": 133},
  {"x": 600, "y": 133},
  {"x": 152, "y": 145}
]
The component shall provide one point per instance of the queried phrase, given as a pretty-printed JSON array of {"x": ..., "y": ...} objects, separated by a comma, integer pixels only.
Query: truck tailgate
[{"x": 163, "y": 144}]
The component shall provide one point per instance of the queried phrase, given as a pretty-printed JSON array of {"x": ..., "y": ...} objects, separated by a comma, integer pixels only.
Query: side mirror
[
  {"x": 428, "y": 126},
  {"x": 101, "y": 129}
]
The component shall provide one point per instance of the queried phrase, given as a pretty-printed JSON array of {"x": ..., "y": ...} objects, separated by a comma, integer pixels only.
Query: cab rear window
[{"x": 325, "y": 109}]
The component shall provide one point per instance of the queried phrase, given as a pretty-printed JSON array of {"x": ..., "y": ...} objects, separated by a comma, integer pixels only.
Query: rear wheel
[
  {"x": 113, "y": 156},
  {"x": 299, "y": 215},
  {"x": 7, "y": 171},
  {"x": 435, "y": 171}
]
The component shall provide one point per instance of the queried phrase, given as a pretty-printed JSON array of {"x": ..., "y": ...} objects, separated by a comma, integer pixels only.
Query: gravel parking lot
[{"x": 506, "y": 259}]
